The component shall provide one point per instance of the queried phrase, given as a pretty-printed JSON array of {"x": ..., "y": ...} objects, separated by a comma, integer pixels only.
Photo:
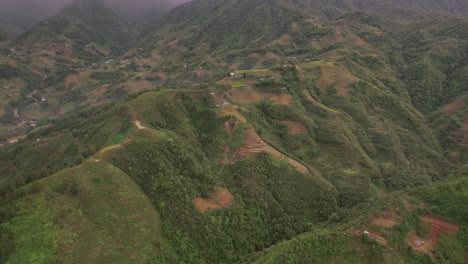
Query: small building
[{"x": 224, "y": 104}]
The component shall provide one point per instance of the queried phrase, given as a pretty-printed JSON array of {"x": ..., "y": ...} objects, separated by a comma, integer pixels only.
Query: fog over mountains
[{"x": 18, "y": 15}]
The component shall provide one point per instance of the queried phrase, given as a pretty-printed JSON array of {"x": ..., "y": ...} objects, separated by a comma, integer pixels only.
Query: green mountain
[
  {"x": 82, "y": 32},
  {"x": 274, "y": 131}
]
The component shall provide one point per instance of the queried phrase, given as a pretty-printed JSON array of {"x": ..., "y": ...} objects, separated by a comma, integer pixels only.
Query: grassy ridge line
[{"x": 90, "y": 213}]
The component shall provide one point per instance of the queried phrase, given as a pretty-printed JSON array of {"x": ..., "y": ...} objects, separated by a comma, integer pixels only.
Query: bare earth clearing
[
  {"x": 295, "y": 128},
  {"x": 253, "y": 145},
  {"x": 219, "y": 199}
]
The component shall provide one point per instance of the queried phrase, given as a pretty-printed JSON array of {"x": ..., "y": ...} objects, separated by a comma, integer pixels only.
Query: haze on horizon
[{"x": 18, "y": 15}]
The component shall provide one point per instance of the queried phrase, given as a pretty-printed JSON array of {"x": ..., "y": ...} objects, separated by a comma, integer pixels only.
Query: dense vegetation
[{"x": 316, "y": 118}]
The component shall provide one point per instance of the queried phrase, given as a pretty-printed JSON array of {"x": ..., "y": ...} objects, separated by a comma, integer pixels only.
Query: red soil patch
[
  {"x": 72, "y": 82},
  {"x": 102, "y": 90},
  {"x": 245, "y": 95},
  {"x": 140, "y": 85},
  {"x": 283, "y": 99},
  {"x": 438, "y": 226},
  {"x": 385, "y": 222},
  {"x": 342, "y": 32},
  {"x": 419, "y": 244},
  {"x": 295, "y": 128},
  {"x": 337, "y": 77},
  {"x": 219, "y": 199},
  {"x": 253, "y": 145},
  {"x": 454, "y": 106}
]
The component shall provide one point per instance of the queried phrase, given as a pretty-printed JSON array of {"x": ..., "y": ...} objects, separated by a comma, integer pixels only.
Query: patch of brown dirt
[
  {"x": 438, "y": 226},
  {"x": 454, "y": 106},
  {"x": 446, "y": 226},
  {"x": 384, "y": 222},
  {"x": 102, "y": 90},
  {"x": 232, "y": 110},
  {"x": 337, "y": 77},
  {"x": 72, "y": 82},
  {"x": 295, "y": 25},
  {"x": 245, "y": 95},
  {"x": 253, "y": 145},
  {"x": 173, "y": 44},
  {"x": 282, "y": 99},
  {"x": 295, "y": 128},
  {"x": 140, "y": 85},
  {"x": 285, "y": 40},
  {"x": 203, "y": 72},
  {"x": 220, "y": 199},
  {"x": 419, "y": 244},
  {"x": 139, "y": 125}
]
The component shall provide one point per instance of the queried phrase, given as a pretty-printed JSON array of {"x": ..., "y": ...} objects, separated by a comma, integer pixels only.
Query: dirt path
[
  {"x": 295, "y": 128},
  {"x": 454, "y": 106},
  {"x": 220, "y": 199},
  {"x": 109, "y": 148},
  {"x": 76, "y": 85},
  {"x": 446, "y": 226},
  {"x": 233, "y": 110},
  {"x": 315, "y": 102},
  {"x": 282, "y": 99},
  {"x": 438, "y": 226},
  {"x": 139, "y": 125}
]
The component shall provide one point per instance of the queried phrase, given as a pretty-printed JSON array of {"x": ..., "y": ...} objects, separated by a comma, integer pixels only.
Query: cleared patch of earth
[
  {"x": 253, "y": 145},
  {"x": 220, "y": 199},
  {"x": 295, "y": 128},
  {"x": 454, "y": 106},
  {"x": 282, "y": 99},
  {"x": 437, "y": 227},
  {"x": 245, "y": 95},
  {"x": 139, "y": 125},
  {"x": 232, "y": 110}
]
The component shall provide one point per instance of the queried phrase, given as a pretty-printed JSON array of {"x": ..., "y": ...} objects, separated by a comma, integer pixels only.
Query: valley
[{"x": 237, "y": 131}]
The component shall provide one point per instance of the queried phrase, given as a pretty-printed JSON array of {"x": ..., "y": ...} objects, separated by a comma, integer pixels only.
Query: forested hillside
[{"x": 235, "y": 131}]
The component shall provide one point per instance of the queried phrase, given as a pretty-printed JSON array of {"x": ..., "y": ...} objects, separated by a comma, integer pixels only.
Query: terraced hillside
[{"x": 278, "y": 131}]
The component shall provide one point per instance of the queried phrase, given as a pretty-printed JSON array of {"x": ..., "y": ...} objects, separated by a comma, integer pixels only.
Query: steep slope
[
  {"x": 82, "y": 32},
  {"x": 172, "y": 144},
  {"x": 400, "y": 221},
  {"x": 303, "y": 141},
  {"x": 81, "y": 214},
  {"x": 457, "y": 7}
]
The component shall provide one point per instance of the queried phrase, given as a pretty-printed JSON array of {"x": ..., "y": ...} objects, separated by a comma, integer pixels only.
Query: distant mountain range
[{"x": 237, "y": 131}]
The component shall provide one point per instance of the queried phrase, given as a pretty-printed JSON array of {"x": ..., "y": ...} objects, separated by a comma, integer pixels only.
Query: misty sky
[{"x": 18, "y": 14}]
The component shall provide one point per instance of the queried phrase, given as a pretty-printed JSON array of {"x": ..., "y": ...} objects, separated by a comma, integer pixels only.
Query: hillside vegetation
[{"x": 273, "y": 131}]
